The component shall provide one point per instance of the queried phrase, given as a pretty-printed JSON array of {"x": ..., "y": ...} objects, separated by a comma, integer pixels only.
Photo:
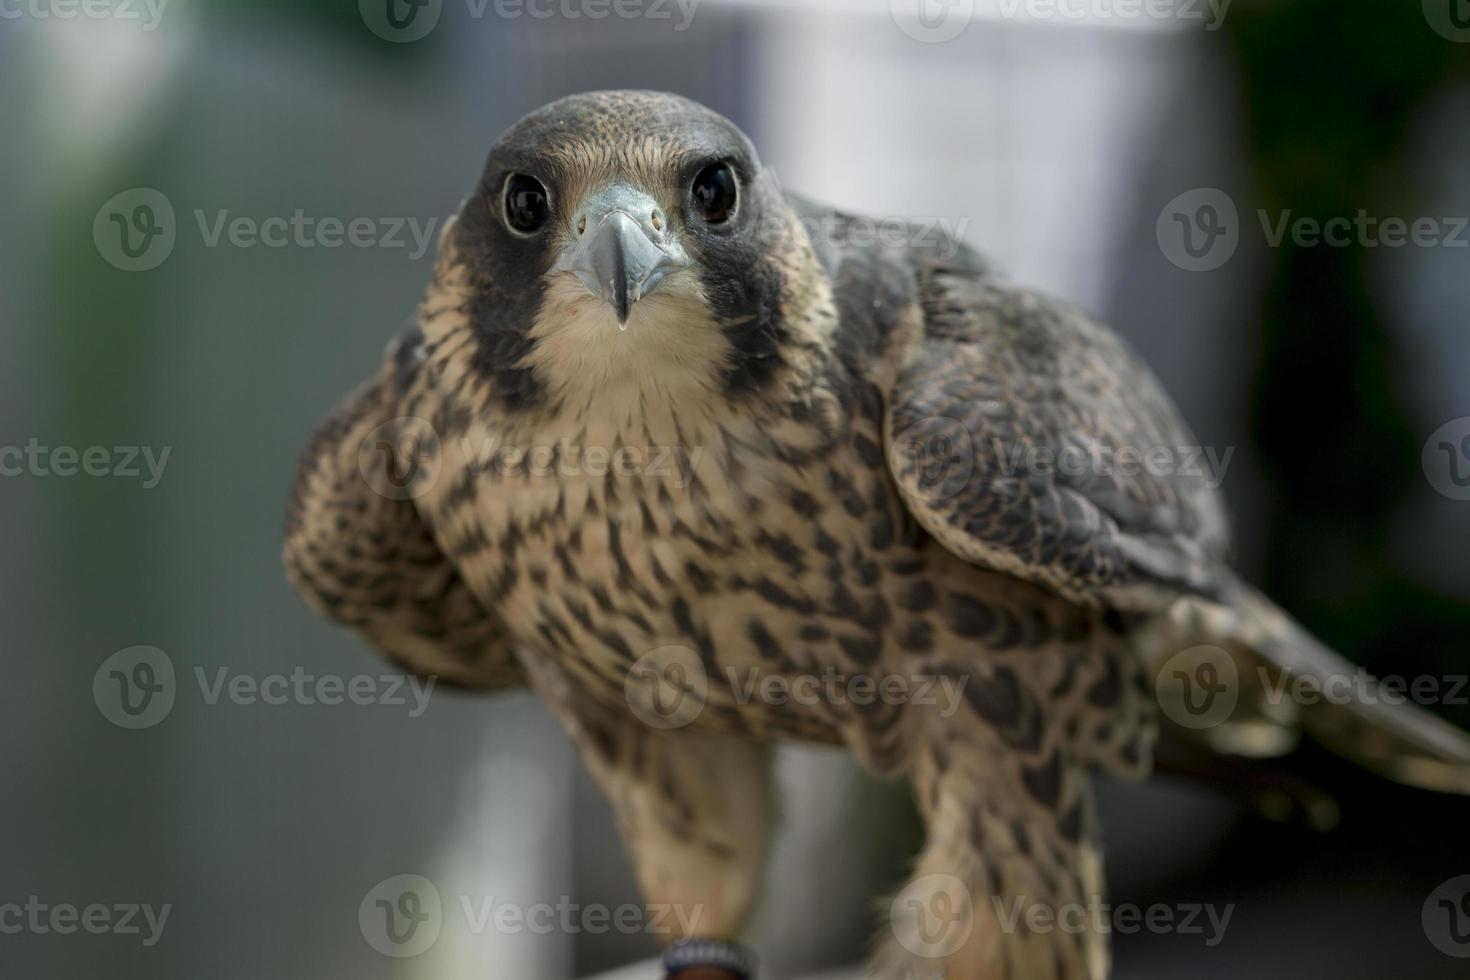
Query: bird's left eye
[
  {"x": 714, "y": 192},
  {"x": 527, "y": 205}
]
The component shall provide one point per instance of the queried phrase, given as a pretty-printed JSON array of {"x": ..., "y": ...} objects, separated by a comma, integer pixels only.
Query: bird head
[{"x": 629, "y": 233}]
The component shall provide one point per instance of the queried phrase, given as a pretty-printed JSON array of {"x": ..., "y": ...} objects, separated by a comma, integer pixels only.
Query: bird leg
[
  {"x": 1009, "y": 875},
  {"x": 693, "y": 808}
]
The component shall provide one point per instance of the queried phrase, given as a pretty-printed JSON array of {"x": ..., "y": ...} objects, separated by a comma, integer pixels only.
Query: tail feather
[
  {"x": 1381, "y": 731},
  {"x": 1287, "y": 683}
]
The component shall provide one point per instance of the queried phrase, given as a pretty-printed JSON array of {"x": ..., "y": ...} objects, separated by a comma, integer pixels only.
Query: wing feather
[{"x": 1029, "y": 438}]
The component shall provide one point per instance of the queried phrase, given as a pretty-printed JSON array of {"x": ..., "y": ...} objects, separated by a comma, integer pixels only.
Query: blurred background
[{"x": 1153, "y": 163}]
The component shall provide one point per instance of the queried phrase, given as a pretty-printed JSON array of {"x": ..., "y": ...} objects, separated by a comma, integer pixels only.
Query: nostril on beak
[
  {"x": 657, "y": 220},
  {"x": 582, "y": 225}
]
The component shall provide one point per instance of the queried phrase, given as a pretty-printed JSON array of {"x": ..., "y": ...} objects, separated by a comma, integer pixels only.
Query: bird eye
[
  {"x": 714, "y": 192},
  {"x": 527, "y": 205}
]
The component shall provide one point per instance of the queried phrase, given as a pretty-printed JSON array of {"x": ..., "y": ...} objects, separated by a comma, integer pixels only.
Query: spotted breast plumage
[{"x": 659, "y": 419}]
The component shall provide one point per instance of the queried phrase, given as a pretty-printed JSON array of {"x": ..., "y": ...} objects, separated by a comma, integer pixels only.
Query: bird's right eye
[{"x": 527, "y": 205}]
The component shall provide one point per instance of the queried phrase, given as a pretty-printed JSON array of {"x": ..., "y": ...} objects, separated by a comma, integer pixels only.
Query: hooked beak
[{"x": 618, "y": 253}]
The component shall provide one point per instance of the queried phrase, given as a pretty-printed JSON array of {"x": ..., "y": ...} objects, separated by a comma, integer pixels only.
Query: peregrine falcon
[{"x": 663, "y": 434}]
